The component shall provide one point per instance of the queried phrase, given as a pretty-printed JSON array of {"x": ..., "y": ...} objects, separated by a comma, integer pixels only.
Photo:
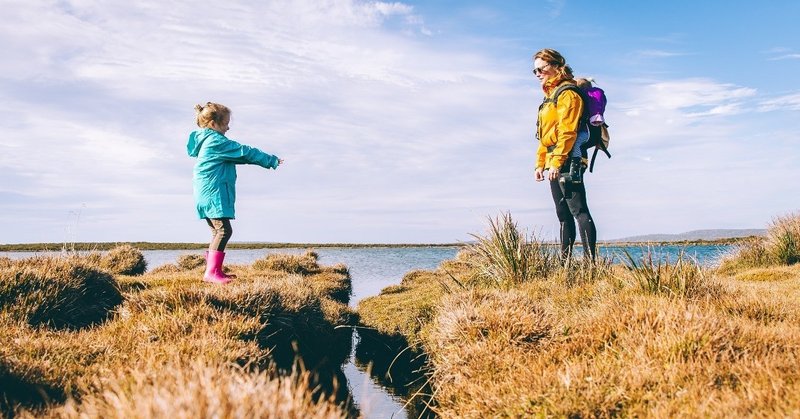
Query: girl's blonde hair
[
  {"x": 555, "y": 59},
  {"x": 584, "y": 83},
  {"x": 211, "y": 112}
]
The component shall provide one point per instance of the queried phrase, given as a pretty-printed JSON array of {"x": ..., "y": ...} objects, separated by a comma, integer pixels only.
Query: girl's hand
[
  {"x": 553, "y": 175},
  {"x": 539, "y": 174}
]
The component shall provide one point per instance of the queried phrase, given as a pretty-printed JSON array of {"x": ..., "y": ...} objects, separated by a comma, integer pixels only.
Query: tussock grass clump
[
  {"x": 295, "y": 264},
  {"x": 24, "y": 388},
  {"x": 5, "y": 262},
  {"x": 783, "y": 239},
  {"x": 506, "y": 257},
  {"x": 197, "y": 389},
  {"x": 261, "y": 321},
  {"x": 781, "y": 246},
  {"x": 167, "y": 268},
  {"x": 58, "y": 292},
  {"x": 124, "y": 260},
  {"x": 192, "y": 261},
  {"x": 580, "y": 271},
  {"x": 684, "y": 277}
]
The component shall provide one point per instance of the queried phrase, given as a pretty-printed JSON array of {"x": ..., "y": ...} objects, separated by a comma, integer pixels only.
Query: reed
[
  {"x": 505, "y": 256},
  {"x": 655, "y": 273},
  {"x": 780, "y": 246}
]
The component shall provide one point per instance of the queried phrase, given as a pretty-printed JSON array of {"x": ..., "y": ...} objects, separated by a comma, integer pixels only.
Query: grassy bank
[
  {"x": 82, "y": 339},
  {"x": 509, "y": 331}
]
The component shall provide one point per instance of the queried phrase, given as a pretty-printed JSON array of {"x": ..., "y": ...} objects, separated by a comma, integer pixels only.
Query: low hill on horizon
[{"x": 713, "y": 234}]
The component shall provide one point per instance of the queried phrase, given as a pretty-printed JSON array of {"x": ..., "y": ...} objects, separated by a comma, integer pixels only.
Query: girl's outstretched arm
[{"x": 243, "y": 154}]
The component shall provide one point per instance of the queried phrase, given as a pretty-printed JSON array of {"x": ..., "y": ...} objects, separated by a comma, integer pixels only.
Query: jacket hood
[{"x": 196, "y": 139}]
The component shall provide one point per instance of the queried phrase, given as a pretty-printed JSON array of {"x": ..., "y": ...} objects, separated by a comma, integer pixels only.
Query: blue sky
[{"x": 399, "y": 122}]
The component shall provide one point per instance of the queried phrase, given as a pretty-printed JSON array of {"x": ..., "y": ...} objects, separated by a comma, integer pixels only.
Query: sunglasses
[{"x": 540, "y": 70}]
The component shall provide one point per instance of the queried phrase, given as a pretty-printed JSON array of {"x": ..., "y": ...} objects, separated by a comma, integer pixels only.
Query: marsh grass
[
  {"x": 580, "y": 271},
  {"x": 780, "y": 246},
  {"x": 191, "y": 261},
  {"x": 652, "y": 337},
  {"x": 124, "y": 348},
  {"x": 297, "y": 264},
  {"x": 62, "y": 293},
  {"x": 124, "y": 260},
  {"x": 655, "y": 273},
  {"x": 505, "y": 256},
  {"x": 197, "y": 388}
]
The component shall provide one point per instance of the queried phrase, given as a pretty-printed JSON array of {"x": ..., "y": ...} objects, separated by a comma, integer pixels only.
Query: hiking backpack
[{"x": 594, "y": 104}]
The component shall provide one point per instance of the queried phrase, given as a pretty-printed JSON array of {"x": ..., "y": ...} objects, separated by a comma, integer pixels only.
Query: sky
[{"x": 398, "y": 122}]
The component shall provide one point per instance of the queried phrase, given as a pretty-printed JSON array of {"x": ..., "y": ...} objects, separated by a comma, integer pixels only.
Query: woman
[{"x": 557, "y": 129}]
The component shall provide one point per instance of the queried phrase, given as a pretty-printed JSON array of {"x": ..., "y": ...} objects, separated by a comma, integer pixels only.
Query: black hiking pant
[{"x": 570, "y": 200}]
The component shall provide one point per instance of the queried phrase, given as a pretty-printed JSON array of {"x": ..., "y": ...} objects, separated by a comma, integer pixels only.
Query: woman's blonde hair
[
  {"x": 211, "y": 112},
  {"x": 555, "y": 59}
]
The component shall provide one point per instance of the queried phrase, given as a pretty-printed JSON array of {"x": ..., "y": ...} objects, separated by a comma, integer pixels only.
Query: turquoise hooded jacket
[{"x": 215, "y": 170}]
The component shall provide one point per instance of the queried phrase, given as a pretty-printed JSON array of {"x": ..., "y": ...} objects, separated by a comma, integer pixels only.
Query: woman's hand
[
  {"x": 553, "y": 174},
  {"x": 539, "y": 174}
]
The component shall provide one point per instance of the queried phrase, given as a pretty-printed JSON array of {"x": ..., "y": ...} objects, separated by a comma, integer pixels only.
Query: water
[{"x": 373, "y": 269}]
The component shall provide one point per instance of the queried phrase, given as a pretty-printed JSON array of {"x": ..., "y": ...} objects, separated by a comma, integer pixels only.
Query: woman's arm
[{"x": 569, "y": 110}]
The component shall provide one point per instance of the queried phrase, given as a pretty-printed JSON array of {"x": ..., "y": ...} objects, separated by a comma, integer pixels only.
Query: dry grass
[
  {"x": 781, "y": 246},
  {"x": 645, "y": 339},
  {"x": 124, "y": 260},
  {"x": 197, "y": 388},
  {"x": 296, "y": 264},
  {"x": 58, "y": 293},
  {"x": 191, "y": 261},
  {"x": 259, "y": 322},
  {"x": 655, "y": 273},
  {"x": 506, "y": 257}
]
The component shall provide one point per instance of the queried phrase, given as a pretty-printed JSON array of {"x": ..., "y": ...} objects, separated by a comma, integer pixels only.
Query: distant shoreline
[
  {"x": 100, "y": 246},
  {"x": 89, "y": 246}
]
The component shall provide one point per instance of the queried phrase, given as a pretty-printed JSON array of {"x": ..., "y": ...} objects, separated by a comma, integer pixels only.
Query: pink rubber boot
[
  {"x": 214, "y": 268},
  {"x": 221, "y": 269}
]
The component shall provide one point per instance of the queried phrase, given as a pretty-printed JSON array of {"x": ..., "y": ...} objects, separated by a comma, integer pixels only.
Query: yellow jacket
[{"x": 558, "y": 126}]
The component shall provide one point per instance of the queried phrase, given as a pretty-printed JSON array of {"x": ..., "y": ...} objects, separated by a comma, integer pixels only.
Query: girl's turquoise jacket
[{"x": 215, "y": 170}]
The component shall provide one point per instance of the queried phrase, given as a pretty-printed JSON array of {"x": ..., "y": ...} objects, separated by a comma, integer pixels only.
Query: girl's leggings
[
  {"x": 571, "y": 205},
  {"x": 221, "y": 232}
]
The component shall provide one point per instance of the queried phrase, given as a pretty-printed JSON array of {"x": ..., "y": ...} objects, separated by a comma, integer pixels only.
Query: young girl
[{"x": 215, "y": 179}]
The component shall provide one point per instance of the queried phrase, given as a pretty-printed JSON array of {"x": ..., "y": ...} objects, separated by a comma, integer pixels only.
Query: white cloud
[
  {"x": 687, "y": 97},
  {"x": 394, "y": 8},
  {"x": 789, "y": 102},
  {"x": 786, "y": 57}
]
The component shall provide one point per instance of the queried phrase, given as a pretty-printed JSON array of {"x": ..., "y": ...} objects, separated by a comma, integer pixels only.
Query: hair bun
[{"x": 198, "y": 108}]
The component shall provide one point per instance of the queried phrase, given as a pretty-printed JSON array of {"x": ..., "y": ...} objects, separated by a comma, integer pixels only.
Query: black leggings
[
  {"x": 571, "y": 209},
  {"x": 221, "y": 232}
]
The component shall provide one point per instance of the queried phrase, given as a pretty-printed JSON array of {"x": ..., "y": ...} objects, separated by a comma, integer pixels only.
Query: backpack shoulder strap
[{"x": 559, "y": 90}]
